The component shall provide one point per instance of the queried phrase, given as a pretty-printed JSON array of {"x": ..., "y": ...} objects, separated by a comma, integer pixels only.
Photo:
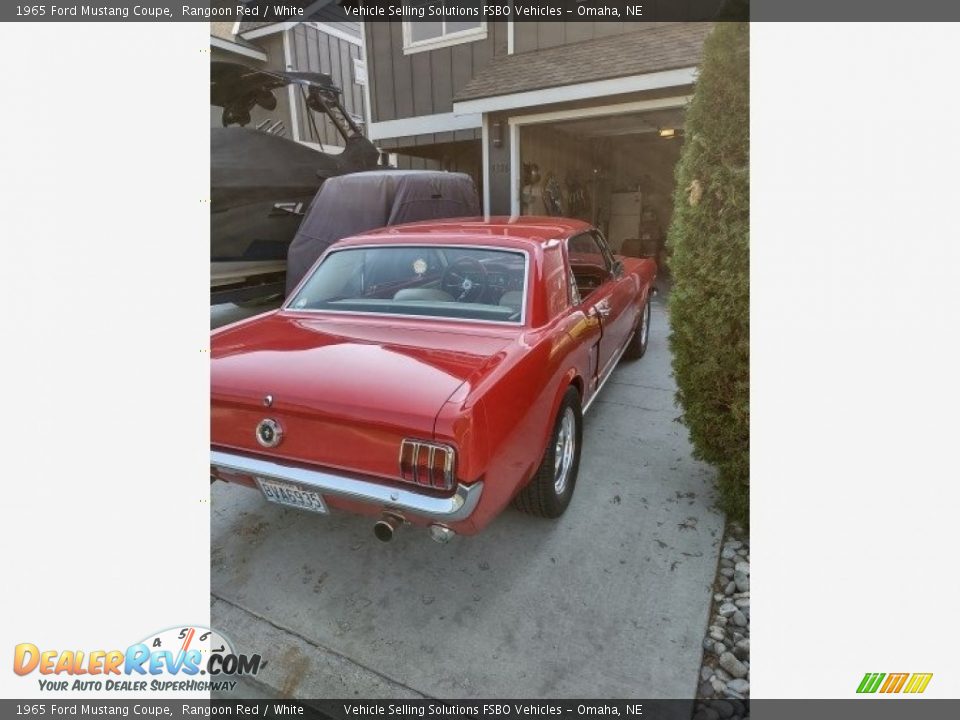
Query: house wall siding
[
  {"x": 312, "y": 50},
  {"x": 422, "y": 83}
]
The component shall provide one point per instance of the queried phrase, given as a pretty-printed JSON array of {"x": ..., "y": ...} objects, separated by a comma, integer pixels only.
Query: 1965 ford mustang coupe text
[{"x": 429, "y": 373}]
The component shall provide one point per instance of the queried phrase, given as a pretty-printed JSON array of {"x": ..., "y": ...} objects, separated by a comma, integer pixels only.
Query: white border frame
[{"x": 445, "y": 40}]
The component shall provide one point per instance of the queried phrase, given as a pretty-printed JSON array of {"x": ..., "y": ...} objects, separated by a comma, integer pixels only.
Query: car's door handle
[{"x": 602, "y": 308}]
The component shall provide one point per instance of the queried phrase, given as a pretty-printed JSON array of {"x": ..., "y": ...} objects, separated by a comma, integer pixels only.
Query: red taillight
[{"x": 427, "y": 464}]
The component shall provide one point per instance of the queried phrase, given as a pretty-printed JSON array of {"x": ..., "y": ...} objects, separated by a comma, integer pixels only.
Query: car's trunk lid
[{"x": 345, "y": 393}]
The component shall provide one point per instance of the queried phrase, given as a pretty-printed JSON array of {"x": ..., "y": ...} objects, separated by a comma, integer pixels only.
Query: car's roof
[
  {"x": 362, "y": 175},
  {"x": 487, "y": 230}
]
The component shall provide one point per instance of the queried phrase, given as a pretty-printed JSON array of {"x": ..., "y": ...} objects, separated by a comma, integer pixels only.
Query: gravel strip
[{"x": 724, "y": 690}]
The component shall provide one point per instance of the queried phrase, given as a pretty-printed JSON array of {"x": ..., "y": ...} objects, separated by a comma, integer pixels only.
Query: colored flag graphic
[{"x": 894, "y": 683}]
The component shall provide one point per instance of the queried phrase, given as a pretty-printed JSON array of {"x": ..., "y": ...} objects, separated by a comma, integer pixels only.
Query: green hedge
[{"x": 709, "y": 240}]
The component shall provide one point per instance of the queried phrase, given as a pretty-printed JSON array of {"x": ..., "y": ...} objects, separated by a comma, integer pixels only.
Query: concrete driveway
[{"x": 612, "y": 600}]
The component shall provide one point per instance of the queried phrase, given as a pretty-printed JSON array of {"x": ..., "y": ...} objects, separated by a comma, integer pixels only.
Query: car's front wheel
[{"x": 549, "y": 492}]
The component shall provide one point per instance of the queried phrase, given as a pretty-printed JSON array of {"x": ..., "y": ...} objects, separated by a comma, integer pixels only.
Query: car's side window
[
  {"x": 585, "y": 250},
  {"x": 604, "y": 248},
  {"x": 589, "y": 265}
]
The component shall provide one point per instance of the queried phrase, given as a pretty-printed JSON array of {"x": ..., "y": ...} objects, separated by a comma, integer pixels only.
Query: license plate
[{"x": 292, "y": 496}]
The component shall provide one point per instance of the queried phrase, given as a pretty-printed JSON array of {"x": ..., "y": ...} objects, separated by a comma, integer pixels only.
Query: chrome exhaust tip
[
  {"x": 386, "y": 526},
  {"x": 441, "y": 534}
]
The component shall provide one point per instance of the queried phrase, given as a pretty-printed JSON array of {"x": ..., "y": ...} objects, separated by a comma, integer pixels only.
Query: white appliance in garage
[{"x": 625, "y": 210}]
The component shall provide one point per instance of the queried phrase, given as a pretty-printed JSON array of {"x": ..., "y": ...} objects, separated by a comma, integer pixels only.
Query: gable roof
[{"x": 664, "y": 47}]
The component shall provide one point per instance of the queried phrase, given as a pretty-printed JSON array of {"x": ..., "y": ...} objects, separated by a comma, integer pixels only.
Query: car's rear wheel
[
  {"x": 641, "y": 336},
  {"x": 549, "y": 492}
]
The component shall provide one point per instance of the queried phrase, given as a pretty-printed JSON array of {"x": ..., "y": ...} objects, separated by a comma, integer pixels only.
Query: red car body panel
[{"x": 348, "y": 388}]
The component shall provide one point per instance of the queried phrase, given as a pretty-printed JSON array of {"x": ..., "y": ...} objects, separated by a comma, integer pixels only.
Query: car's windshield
[{"x": 457, "y": 282}]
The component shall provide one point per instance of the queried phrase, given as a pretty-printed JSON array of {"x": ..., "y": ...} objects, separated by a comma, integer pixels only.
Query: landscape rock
[
  {"x": 739, "y": 685},
  {"x": 729, "y": 662},
  {"x": 724, "y": 689}
]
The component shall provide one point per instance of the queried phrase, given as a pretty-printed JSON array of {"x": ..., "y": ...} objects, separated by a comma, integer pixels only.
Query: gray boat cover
[{"x": 350, "y": 204}]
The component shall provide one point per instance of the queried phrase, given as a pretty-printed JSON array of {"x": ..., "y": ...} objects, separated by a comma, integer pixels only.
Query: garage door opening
[{"x": 614, "y": 171}]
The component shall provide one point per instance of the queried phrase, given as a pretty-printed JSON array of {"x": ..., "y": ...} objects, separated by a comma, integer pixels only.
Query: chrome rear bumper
[{"x": 445, "y": 509}]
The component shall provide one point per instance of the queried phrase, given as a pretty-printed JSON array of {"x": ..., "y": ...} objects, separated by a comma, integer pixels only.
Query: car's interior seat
[
  {"x": 434, "y": 294},
  {"x": 512, "y": 298}
]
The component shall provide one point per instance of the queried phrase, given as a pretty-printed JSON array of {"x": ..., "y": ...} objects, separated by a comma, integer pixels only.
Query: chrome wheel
[
  {"x": 563, "y": 452},
  {"x": 548, "y": 493},
  {"x": 645, "y": 325}
]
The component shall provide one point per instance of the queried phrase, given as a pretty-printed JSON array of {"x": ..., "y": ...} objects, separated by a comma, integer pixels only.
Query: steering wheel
[{"x": 465, "y": 279}]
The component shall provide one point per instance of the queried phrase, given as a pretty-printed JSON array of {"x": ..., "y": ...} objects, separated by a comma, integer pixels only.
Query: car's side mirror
[{"x": 617, "y": 268}]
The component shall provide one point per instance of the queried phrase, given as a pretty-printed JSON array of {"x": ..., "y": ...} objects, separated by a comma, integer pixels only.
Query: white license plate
[{"x": 292, "y": 496}]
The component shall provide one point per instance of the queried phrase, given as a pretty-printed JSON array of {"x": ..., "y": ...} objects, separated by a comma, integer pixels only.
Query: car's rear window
[{"x": 455, "y": 282}]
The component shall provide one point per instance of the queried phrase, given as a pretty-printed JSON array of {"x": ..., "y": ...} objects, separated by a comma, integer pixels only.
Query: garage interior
[{"x": 615, "y": 172}]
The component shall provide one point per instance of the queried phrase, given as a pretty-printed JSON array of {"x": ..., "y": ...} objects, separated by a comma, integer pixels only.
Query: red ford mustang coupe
[{"x": 429, "y": 373}]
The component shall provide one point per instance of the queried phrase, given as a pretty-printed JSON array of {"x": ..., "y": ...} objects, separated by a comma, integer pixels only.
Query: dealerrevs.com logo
[
  {"x": 181, "y": 659},
  {"x": 910, "y": 683}
]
